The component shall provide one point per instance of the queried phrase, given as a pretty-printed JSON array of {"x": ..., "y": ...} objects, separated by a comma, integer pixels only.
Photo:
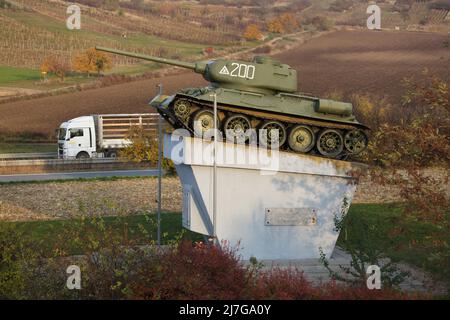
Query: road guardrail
[
  {"x": 53, "y": 162},
  {"x": 18, "y": 156}
]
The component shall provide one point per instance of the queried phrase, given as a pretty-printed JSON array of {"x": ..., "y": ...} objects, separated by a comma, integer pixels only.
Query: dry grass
[{"x": 65, "y": 199}]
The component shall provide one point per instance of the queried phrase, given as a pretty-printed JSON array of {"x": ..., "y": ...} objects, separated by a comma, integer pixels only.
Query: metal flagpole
[
  {"x": 215, "y": 171},
  {"x": 159, "y": 172}
]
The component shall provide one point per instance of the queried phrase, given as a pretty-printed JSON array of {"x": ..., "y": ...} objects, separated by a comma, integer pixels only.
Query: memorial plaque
[{"x": 291, "y": 217}]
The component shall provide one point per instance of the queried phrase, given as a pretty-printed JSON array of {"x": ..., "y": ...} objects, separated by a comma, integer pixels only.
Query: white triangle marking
[{"x": 224, "y": 70}]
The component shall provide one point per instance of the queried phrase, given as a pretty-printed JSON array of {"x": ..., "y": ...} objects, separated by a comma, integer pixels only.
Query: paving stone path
[{"x": 315, "y": 272}]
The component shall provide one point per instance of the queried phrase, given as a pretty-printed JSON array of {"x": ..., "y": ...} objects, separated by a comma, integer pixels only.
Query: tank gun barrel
[
  {"x": 198, "y": 67},
  {"x": 261, "y": 75}
]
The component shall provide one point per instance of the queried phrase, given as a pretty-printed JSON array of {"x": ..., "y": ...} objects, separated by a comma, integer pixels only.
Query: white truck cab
[
  {"x": 99, "y": 136},
  {"x": 77, "y": 138}
]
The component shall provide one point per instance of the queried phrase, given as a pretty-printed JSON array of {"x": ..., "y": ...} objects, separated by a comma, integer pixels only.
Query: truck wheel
[
  {"x": 111, "y": 154},
  {"x": 83, "y": 155}
]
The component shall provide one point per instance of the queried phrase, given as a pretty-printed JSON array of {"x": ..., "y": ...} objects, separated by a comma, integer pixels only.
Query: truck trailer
[{"x": 101, "y": 136}]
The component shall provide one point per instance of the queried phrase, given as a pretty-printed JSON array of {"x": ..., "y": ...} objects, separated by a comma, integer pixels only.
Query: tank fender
[{"x": 333, "y": 107}]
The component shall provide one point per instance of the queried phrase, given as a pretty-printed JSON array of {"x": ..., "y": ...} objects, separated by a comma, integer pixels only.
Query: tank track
[{"x": 329, "y": 139}]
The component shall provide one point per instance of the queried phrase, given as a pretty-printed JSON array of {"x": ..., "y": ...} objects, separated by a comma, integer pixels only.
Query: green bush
[
  {"x": 5, "y": 4},
  {"x": 322, "y": 23}
]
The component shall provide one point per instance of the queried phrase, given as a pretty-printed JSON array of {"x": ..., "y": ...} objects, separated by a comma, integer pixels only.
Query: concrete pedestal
[{"x": 281, "y": 206}]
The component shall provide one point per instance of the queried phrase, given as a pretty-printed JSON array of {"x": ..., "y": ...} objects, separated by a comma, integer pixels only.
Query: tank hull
[
  {"x": 292, "y": 105},
  {"x": 290, "y": 110}
]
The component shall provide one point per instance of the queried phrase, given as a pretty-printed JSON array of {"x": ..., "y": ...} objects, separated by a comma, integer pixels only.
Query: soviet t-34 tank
[{"x": 260, "y": 94}]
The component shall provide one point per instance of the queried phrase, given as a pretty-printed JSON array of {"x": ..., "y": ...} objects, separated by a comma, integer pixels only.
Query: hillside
[
  {"x": 424, "y": 15},
  {"x": 368, "y": 62},
  {"x": 346, "y": 61},
  {"x": 34, "y": 29}
]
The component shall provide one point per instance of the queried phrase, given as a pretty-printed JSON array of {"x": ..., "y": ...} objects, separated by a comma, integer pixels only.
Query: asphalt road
[{"x": 77, "y": 175}]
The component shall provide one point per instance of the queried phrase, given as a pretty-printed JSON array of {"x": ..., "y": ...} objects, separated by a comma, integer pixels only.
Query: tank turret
[
  {"x": 262, "y": 74},
  {"x": 260, "y": 95}
]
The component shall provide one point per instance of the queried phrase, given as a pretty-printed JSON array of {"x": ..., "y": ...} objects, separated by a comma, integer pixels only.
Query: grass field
[
  {"x": 379, "y": 217},
  {"x": 10, "y": 74},
  {"x": 140, "y": 229},
  {"x": 414, "y": 245},
  {"x": 32, "y": 79}
]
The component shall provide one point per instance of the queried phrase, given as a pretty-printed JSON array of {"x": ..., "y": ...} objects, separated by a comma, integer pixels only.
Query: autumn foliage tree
[
  {"x": 144, "y": 147},
  {"x": 410, "y": 151},
  {"x": 91, "y": 61},
  {"x": 55, "y": 65},
  {"x": 275, "y": 26},
  {"x": 416, "y": 132},
  {"x": 252, "y": 32},
  {"x": 290, "y": 23},
  {"x": 283, "y": 23}
]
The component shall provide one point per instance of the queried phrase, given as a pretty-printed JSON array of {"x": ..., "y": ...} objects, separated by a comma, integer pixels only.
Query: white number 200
[{"x": 242, "y": 70}]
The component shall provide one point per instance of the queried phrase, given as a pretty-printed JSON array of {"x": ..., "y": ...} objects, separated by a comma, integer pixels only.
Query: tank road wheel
[
  {"x": 301, "y": 139},
  {"x": 330, "y": 143},
  {"x": 236, "y": 128},
  {"x": 355, "y": 141},
  {"x": 203, "y": 121},
  {"x": 273, "y": 128},
  {"x": 182, "y": 109}
]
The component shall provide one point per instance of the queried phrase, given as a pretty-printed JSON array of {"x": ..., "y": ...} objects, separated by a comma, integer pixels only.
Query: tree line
[{"x": 87, "y": 62}]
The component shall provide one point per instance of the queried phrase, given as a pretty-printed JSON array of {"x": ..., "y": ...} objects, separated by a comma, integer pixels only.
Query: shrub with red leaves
[
  {"x": 208, "y": 272},
  {"x": 194, "y": 272},
  {"x": 284, "y": 284}
]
